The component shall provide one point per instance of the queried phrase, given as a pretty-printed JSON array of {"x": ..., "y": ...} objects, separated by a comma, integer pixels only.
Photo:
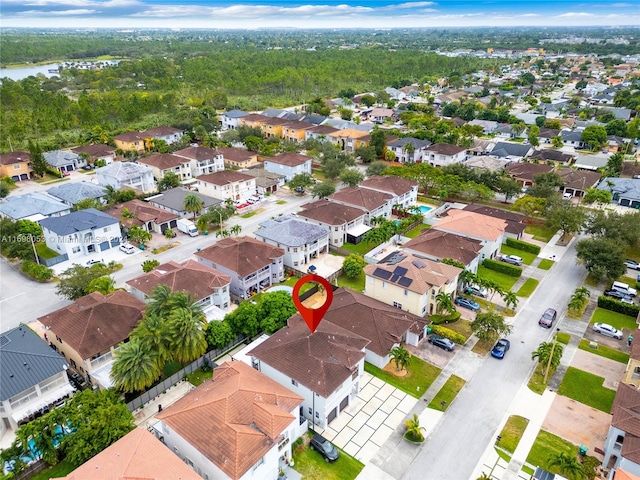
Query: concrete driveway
[
  {"x": 432, "y": 354},
  {"x": 610, "y": 370}
]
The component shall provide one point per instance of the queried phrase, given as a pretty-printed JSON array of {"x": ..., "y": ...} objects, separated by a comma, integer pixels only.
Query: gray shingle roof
[
  {"x": 72, "y": 193},
  {"x": 26, "y": 361},
  {"x": 174, "y": 199},
  {"x": 60, "y": 158},
  {"x": 78, "y": 222},
  {"x": 291, "y": 232},
  {"x": 235, "y": 114},
  {"x": 621, "y": 187},
  {"x": 417, "y": 143},
  {"x": 24, "y": 206},
  {"x": 124, "y": 171},
  {"x": 503, "y": 149}
]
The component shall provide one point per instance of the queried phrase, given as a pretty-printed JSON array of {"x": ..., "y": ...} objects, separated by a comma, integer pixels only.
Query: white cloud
[
  {"x": 75, "y": 3},
  {"x": 576, "y": 14},
  {"x": 58, "y": 13}
]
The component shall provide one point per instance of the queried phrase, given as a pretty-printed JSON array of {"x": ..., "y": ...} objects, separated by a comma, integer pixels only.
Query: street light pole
[{"x": 553, "y": 347}]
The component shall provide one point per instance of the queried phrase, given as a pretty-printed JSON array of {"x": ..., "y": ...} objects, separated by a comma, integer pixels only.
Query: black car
[
  {"x": 325, "y": 447},
  {"x": 442, "y": 342},
  {"x": 78, "y": 380}
]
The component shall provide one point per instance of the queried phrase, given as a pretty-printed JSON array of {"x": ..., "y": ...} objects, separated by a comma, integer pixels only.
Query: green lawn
[
  {"x": 199, "y": 376},
  {"x": 604, "y": 351},
  {"x": 536, "y": 382},
  {"x": 546, "y": 264},
  {"x": 291, "y": 282},
  {"x": 281, "y": 202},
  {"x": 502, "y": 454},
  {"x": 463, "y": 327},
  {"x": 414, "y": 232},
  {"x": 45, "y": 252},
  {"x": 587, "y": 388},
  {"x": 447, "y": 393},
  {"x": 563, "y": 337},
  {"x": 361, "y": 248},
  {"x": 527, "y": 288},
  {"x": 248, "y": 214},
  {"x": 60, "y": 470},
  {"x": 631, "y": 281},
  {"x": 317, "y": 173},
  {"x": 547, "y": 444},
  {"x": 615, "y": 319},
  {"x": 356, "y": 283},
  {"x": 542, "y": 233},
  {"x": 420, "y": 375},
  {"x": 527, "y": 257},
  {"x": 170, "y": 368},
  {"x": 505, "y": 281},
  {"x": 312, "y": 466},
  {"x": 512, "y": 432}
]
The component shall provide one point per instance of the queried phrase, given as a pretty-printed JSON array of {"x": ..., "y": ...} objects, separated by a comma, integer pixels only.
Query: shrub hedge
[
  {"x": 39, "y": 273},
  {"x": 440, "y": 319},
  {"x": 448, "y": 333},
  {"x": 524, "y": 246},
  {"x": 502, "y": 267},
  {"x": 614, "y": 305}
]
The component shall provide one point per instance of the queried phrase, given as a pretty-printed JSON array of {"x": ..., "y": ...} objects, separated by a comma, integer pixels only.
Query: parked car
[
  {"x": 127, "y": 248},
  {"x": 467, "y": 303},
  {"x": 93, "y": 261},
  {"x": 618, "y": 295},
  {"x": 87, "y": 167},
  {"x": 567, "y": 196},
  {"x": 632, "y": 264},
  {"x": 512, "y": 259},
  {"x": 624, "y": 288},
  {"x": 325, "y": 447},
  {"x": 442, "y": 342},
  {"x": 77, "y": 380},
  {"x": 312, "y": 269},
  {"x": 548, "y": 317},
  {"x": 500, "y": 348},
  {"x": 475, "y": 290},
  {"x": 607, "y": 330}
]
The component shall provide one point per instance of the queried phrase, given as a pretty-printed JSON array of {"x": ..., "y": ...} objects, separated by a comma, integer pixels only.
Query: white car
[
  {"x": 607, "y": 330},
  {"x": 127, "y": 248}
]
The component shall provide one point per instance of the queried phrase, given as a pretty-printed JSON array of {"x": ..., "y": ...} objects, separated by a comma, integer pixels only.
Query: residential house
[
  {"x": 32, "y": 377},
  {"x": 32, "y": 206},
  {"x": 489, "y": 230},
  {"x": 632, "y": 373},
  {"x": 288, "y": 164},
  {"x": 410, "y": 283},
  {"x": 301, "y": 241},
  {"x": 345, "y": 223},
  {"x": 350, "y": 139},
  {"x": 16, "y": 165},
  {"x": 227, "y": 184},
  {"x": 572, "y": 138},
  {"x": 380, "y": 115},
  {"x": 266, "y": 182},
  {"x": 172, "y": 200},
  {"x": 625, "y": 191},
  {"x": 524, "y": 173},
  {"x": 577, "y": 182},
  {"x": 480, "y": 147},
  {"x": 319, "y": 132},
  {"x": 404, "y": 191},
  {"x": 488, "y": 126},
  {"x": 130, "y": 142},
  {"x": 81, "y": 233},
  {"x": 546, "y": 135},
  {"x": 230, "y": 120},
  {"x": 238, "y": 425},
  {"x": 203, "y": 160},
  {"x": 251, "y": 264},
  {"x": 64, "y": 160},
  {"x": 409, "y": 149},
  {"x": 295, "y": 131},
  {"x": 207, "y": 286},
  {"x": 72, "y": 193},
  {"x": 485, "y": 162},
  {"x": 515, "y": 221},
  {"x": 166, "y": 134},
  {"x": 441, "y": 154},
  {"x": 504, "y": 130},
  {"x": 272, "y": 127},
  {"x": 591, "y": 162},
  {"x": 622, "y": 446},
  {"x": 253, "y": 120},
  {"x": 373, "y": 202},
  {"x": 238, "y": 157},
  {"x": 87, "y": 332},
  {"x": 163, "y": 163},
  {"x": 436, "y": 245},
  {"x": 140, "y": 141},
  {"x": 324, "y": 367},
  {"x": 549, "y": 155},
  {"x": 513, "y": 151},
  {"x": 139, "y": 454},
  {"x": 97, "y": 152},
  {"x": 144, "y": 215},
  {"x": 127, "y": 174}
]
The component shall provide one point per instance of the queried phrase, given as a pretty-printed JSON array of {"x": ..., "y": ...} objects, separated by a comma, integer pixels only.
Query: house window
[
  {"x": 294, "y": 383},
  {"x": 384, "y": 285},
  {"x": 406, "y": 292},
  {"x": 310, "y": 411},
  {"x": 397, "y": 305},
  {"x": 354, "y": 375},
  {"x": 105, "y": 229},
  {"x": 295, "y": 250},
  {"x": 76, "y": 249},
  {"x": 295, "y": 264},
  {"x": 73, "y": 363},
  {"x": 317, "y": 415},
  {"x": 17, "y": 166}
]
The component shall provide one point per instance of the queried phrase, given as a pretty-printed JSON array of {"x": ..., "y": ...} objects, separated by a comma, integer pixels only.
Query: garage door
[
  {"x": 332, "y": 415},
  {"x": 344, "y": 403}
]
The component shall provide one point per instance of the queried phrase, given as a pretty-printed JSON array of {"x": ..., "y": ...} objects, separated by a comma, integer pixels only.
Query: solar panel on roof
[
  {"x": 400, "y": 271},
  {"x": 394, "y": 278},
  {"x": 381, "y": 273},
  {"x": 418, "y": 263},
  {"x": 405, "y": 281}
]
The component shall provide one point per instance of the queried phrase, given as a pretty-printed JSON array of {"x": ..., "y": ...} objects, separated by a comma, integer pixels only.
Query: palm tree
[
  {"x": 544, "y": 354},
  {"x": 444, "y": 303},
  {"x": 235, "y": 230},
  {"x": 492, "y": 286},
  {"x": 185, "y": 332},
  {"x": 193, "y": 204},
  {"x": 510, "y": 299},
  {"x": 153, "y": 336},
  {"x": 567, "y": 464},
  {"x": 484, "y": 476},
  {"x": 376, "y": 221},
  {"x": 135, "y": 367},
  {"x": 223, "y": 233},
  {"x": 159, "y": 301},
  {"x": 414, "y": 430},
  {"x": 401, "y": 357},
  {"x": 105, "y": 285}
]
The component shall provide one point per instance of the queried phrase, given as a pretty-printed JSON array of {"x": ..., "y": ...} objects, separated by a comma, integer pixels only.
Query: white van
[{"x": 624, "y": 288}]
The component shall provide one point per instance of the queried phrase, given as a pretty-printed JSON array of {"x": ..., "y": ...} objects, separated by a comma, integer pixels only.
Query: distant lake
[{"x": 24, "y": 72}]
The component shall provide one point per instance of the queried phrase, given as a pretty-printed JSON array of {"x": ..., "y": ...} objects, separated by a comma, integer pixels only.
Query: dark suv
[
  {"x": 325, "y": 447},
  {"x": 548, "y": 317}
]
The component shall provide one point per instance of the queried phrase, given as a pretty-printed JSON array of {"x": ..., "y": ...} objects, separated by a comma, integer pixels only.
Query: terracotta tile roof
[
  {"x": 162, "y": 161},
  {"x": 236, "y": 154},
  {"x": 94, "y": 323},
  {"x": 445, "y": 149},
  {"x": 359, "y": 197},
  {"x": 323, "y": 130},
  {"x": 235, "y": 418},
  {"x": 95, "y": 150},
  {"x": 445, "y": 245},
  {"x": 254, "y": 117},
  {"x": 579, "y": 179},
  {"x": 472, "y": 224},
  {"x": 423, "y": 273},
  {"x": 10, "y": 158},
  {"x": 290, "y": 159},
  {"x": 225, "y": 177},
  {"x": 631, "y": 448},
  {"x": 197, "y": 153},
  {"x": 515, "y": 221},
  {"x": 620, "y": 474},
  {"x": 192, "y": 277},
  {"x": 321, "y": 361},
  {"x": 243, "y": 255},
  {"x": 143, "y": 212},
  {"x": 161, "y": 131},
  {"x": 137, "y": 455},
  {"x": 330, "y": 213},
  {"x": 274, "y": 121},
  {"x": 526, "y": 171},
  {"x": 349, "y": 133},
  {"x": 389, "y": 183},
  {"x": 626, "y": 410},
  {"x": 129, "y": 136}
]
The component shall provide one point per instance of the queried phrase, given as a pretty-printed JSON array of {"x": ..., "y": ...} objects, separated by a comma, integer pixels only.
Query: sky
[{"x": 251, "y": 14}]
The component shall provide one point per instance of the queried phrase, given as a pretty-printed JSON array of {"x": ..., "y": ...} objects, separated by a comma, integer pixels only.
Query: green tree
[
  {"x": 185, "y": 332},
  {"x": 322, "y": 190},
  {"x": 152, "y": 333},
  {"x": 38, "y": 163},
  {"x": 490, "y": 325},
  {"x": 376, "y": 168},
  {"x": 193, "y": 204},
  {"x": 614, "y": 165},
  {"x": 553, "y": 124},
  {"x": 74, "y": 281},
  {"x": 616, "y": 127},
  {"x": 219, "y": 334},
  {"x": 168, "y": 180},
  {"x": 595, "y": 136},
  {"x": 548, "y": 355},
  {"x": 414, "y": 430},
  {"x": 594, "y": 195},
  {"x": 378, "y": 141},
  {"x": 138, "y": 235},
  {"x": 275, "y": 308},
  {"x": 351, "y": 177},
  {"x": 530, "y": 206},
  {"x": 602, "y": 257},
  {"x": 557, "y": 142},
  {"x": 235, "y": 230},
  {"x": 444, "y": 303},
  {"x": 508, "y": 187},
  {"x": 564, "y": 216},
  {"x": 105, "y": 285},
  {"x": 88, "y": 203},
  {"x": 545, "y": 185},
  {"x": 510, "y": 300},
  {"x": 244, "y": 319},
  {"x": 567, "y": 464},
  {"x": 159, "y": 301},
  {"x": 353, "y": 265},
  {"x": 579, "y": 299},
  {"x": 302, "y": 180},
  {"x": 368, "y": 100},
  {"x": 5, "y": 189},
  {"x": 366, "y": 154},
  {"x": 135, "y": 366},
  {"x": 400, "y": 356}
]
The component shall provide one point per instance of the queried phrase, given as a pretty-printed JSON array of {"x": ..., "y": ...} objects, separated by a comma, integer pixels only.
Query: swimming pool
[{"x": 424, "y": 209}]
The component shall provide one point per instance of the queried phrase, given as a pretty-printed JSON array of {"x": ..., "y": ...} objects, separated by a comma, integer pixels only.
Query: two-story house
[
  {"x": 350, "y": 139},
  {"x": 436, "y": 245},
  {"x": 295, "y": 131},
  {"x": 288, "y": 164},
  {"x": 319, "y": 132},
  {"x": 169, "y": 135},
  {"x": 207, "y": 286},
  {"x": 64, "y": 160},
  {"x": 409, "y": 149},
  {"x": 203, "y": 160},
  {"x": 523, "y": 173},
  {"x": 622, "y": 446},
  {"x": 227, "y": 184},
  {"x": 632, "y": 373},
  {"x": 236, "y": 426},
  {"x": 410, "y": 283},
  {"x": 253, "y": 120},
  {"x": 97, "y": 152},
  {"x": 231, "y": 119},
  {"x": 251, "y": 264},
  {"x": 140, "y": 141},
  {"x": 404, "y": 191},
  {"x": 301, "y": 241},
  {"x": 238, "y": 157},
  {"x": 272, "y": 126},
  {"x": 441, "y": 154},
  {"x": 16, "y": 165},
  {"x": 266, "y": 182},
  {"x": 127, "y": 174},
  {"x": 81, "y": 233},
  {"x": 72, "y": 193},
  {"x": 373, "y": 202},
  {"x": 163, "y": 163},
  {"x": 144, "y": 215},
  {"x": 32, "y": 206},
  {"x": 87, "y": 332},
  {"x": 324, "y": 367},
  {"x": 32, "y": 377},
  {"x": 346, "y": 224},
  {"x": 516, "y": 222}
]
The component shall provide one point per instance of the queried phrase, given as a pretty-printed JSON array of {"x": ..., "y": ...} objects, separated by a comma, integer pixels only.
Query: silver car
[{"x": 607, "y": 330}]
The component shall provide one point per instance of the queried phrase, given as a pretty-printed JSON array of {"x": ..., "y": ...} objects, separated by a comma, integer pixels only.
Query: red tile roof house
[
  {"x": 436, "y": 245},
  {"x": 324, "y": 368},
  {"x": 622, "y": 446},
  {"x": 404, "y": 191},
  {"x": 238, "y": 425},
  {"x": 137, "y": 455},
  {"x": 251, "y": 264},
  {"x": 145, "y": 215},
  {"x": 288, "y": 164},
  {"x": 345, "y": 223},
  {"x": 207, "y": 286},
  {"x": 163, "y": 163},
  {"x": 372, "y": 202}
]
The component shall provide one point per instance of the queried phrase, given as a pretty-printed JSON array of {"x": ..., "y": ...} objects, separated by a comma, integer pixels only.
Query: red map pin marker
[{"x": 312, "y": 316}]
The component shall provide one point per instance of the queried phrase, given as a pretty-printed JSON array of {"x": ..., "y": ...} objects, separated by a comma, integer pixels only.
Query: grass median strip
[
  {"x": 546, "y": 264},
  {"x": 419, "y": 376},
  {"x": 587, "y": 388},
  {"x": 604, "y": 351},
  {"x": 512, "y": 432},
  {"x": 527, "y": 288},
  {"x": 547, "y": 444},
  {"x": 447, "y": 393}
]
